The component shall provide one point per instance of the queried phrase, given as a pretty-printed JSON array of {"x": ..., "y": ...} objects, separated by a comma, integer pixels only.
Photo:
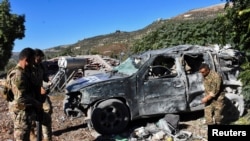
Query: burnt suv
[{"x": 152, "y": 83}]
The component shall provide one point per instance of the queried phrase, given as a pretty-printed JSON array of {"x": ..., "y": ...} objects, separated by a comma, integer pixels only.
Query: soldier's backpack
[{"x": 7, "y": 90}]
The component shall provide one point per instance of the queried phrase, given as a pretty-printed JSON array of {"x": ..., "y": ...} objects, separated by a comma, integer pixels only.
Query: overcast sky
[{"x": 51, "y": 23}]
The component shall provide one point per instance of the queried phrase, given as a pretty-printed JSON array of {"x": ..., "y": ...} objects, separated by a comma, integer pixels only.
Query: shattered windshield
[{"x": 128, "y": 67}]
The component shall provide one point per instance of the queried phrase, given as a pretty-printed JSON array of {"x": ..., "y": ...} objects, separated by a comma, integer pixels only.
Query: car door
[
  {"x": 163, "y": 94},
  {"x": 195, "y": 88}
]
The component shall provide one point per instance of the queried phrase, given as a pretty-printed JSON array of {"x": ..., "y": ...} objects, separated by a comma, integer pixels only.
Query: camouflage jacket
[
  {"x": 212, "y": 83},
  {"x": 22, "y": 90}
]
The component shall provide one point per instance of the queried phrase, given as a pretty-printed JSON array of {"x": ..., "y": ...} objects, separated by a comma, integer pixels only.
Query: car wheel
[
  {"x": 237, "y": 103},
  {"x": 110, "y": 117}
]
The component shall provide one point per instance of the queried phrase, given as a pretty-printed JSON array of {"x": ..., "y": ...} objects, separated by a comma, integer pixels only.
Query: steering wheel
[{"x": 159, "y": 70}]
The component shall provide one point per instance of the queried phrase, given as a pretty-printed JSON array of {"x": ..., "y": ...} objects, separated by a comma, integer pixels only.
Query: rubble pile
[{"x": 97, "y": 62}]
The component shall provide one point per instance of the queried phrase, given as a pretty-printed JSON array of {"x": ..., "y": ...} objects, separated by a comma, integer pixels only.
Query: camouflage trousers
[
  {"x": 213, "y": 112},
  {"x": 22, "y": 125},
  {"x": 46, "y": 121}
]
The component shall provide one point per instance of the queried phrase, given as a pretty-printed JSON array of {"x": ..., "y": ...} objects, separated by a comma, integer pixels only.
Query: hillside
[
  {"x": 114, "y": 44},
  {"x": 207, "y": 12}
]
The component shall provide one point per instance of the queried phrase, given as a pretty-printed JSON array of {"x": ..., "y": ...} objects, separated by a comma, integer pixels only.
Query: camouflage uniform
[
  {"x": 213, "y": 108},
  {"x": 22, "y": 107},
  {"x": 39, "y": 77}
]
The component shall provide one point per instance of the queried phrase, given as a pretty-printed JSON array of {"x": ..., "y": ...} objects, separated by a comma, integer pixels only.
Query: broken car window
[
  {"x": 163, "y": 66},
  {"x": 192, "y": 62},
  {"x": 127, "y": 67}
]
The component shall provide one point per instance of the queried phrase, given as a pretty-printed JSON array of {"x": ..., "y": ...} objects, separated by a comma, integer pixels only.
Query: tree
[
  {"x": 11, "y": 28},
  {"x": 238, "y": 17}
]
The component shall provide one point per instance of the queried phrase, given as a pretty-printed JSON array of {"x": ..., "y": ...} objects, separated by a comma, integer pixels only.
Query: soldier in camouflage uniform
[
  {"x": 214, "y": 97},
  {"x": 39, "y": 75},
  {"x": 24, "y": 104}
]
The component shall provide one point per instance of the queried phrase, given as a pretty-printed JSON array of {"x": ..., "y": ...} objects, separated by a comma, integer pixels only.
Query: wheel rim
[{"x": 110, "y": 117}]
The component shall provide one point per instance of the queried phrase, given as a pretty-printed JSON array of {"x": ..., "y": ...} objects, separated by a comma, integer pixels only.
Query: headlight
[{"x": 85, "y": 97}]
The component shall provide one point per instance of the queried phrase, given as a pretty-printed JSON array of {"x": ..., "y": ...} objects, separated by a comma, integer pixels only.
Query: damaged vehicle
[{"x": 155, "y": 82}]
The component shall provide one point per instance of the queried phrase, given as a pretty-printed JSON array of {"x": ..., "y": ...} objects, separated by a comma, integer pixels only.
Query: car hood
[{"x": 77, "y": 84}]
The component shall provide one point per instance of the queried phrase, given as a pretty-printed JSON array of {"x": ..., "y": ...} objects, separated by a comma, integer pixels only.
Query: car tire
[
  {"x": 110, "y": 117},
  {"x": 237, "y": 102}
]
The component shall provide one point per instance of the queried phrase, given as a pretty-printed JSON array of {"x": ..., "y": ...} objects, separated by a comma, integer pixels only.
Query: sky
[{"x": 51, "y": 23}]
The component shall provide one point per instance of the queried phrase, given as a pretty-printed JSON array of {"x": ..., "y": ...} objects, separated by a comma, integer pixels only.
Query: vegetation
[
  {"x": 200, "y": 32},
  {"x": 12, "y": 63},
  {"x": 11, "y": 28},
  {"x": 238, "y": 19}
]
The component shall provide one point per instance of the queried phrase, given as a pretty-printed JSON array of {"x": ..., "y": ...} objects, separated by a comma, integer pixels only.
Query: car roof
[{"x": 180, "y": 49}]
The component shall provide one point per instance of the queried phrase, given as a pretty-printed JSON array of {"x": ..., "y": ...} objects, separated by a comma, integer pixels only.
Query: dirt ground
[{"x": 66, "y": 129}]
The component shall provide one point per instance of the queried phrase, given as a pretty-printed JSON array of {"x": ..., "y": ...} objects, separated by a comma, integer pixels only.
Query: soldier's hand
[
  {"x": 43, "y": 91},
  {"x": 204, "y": 100}
]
